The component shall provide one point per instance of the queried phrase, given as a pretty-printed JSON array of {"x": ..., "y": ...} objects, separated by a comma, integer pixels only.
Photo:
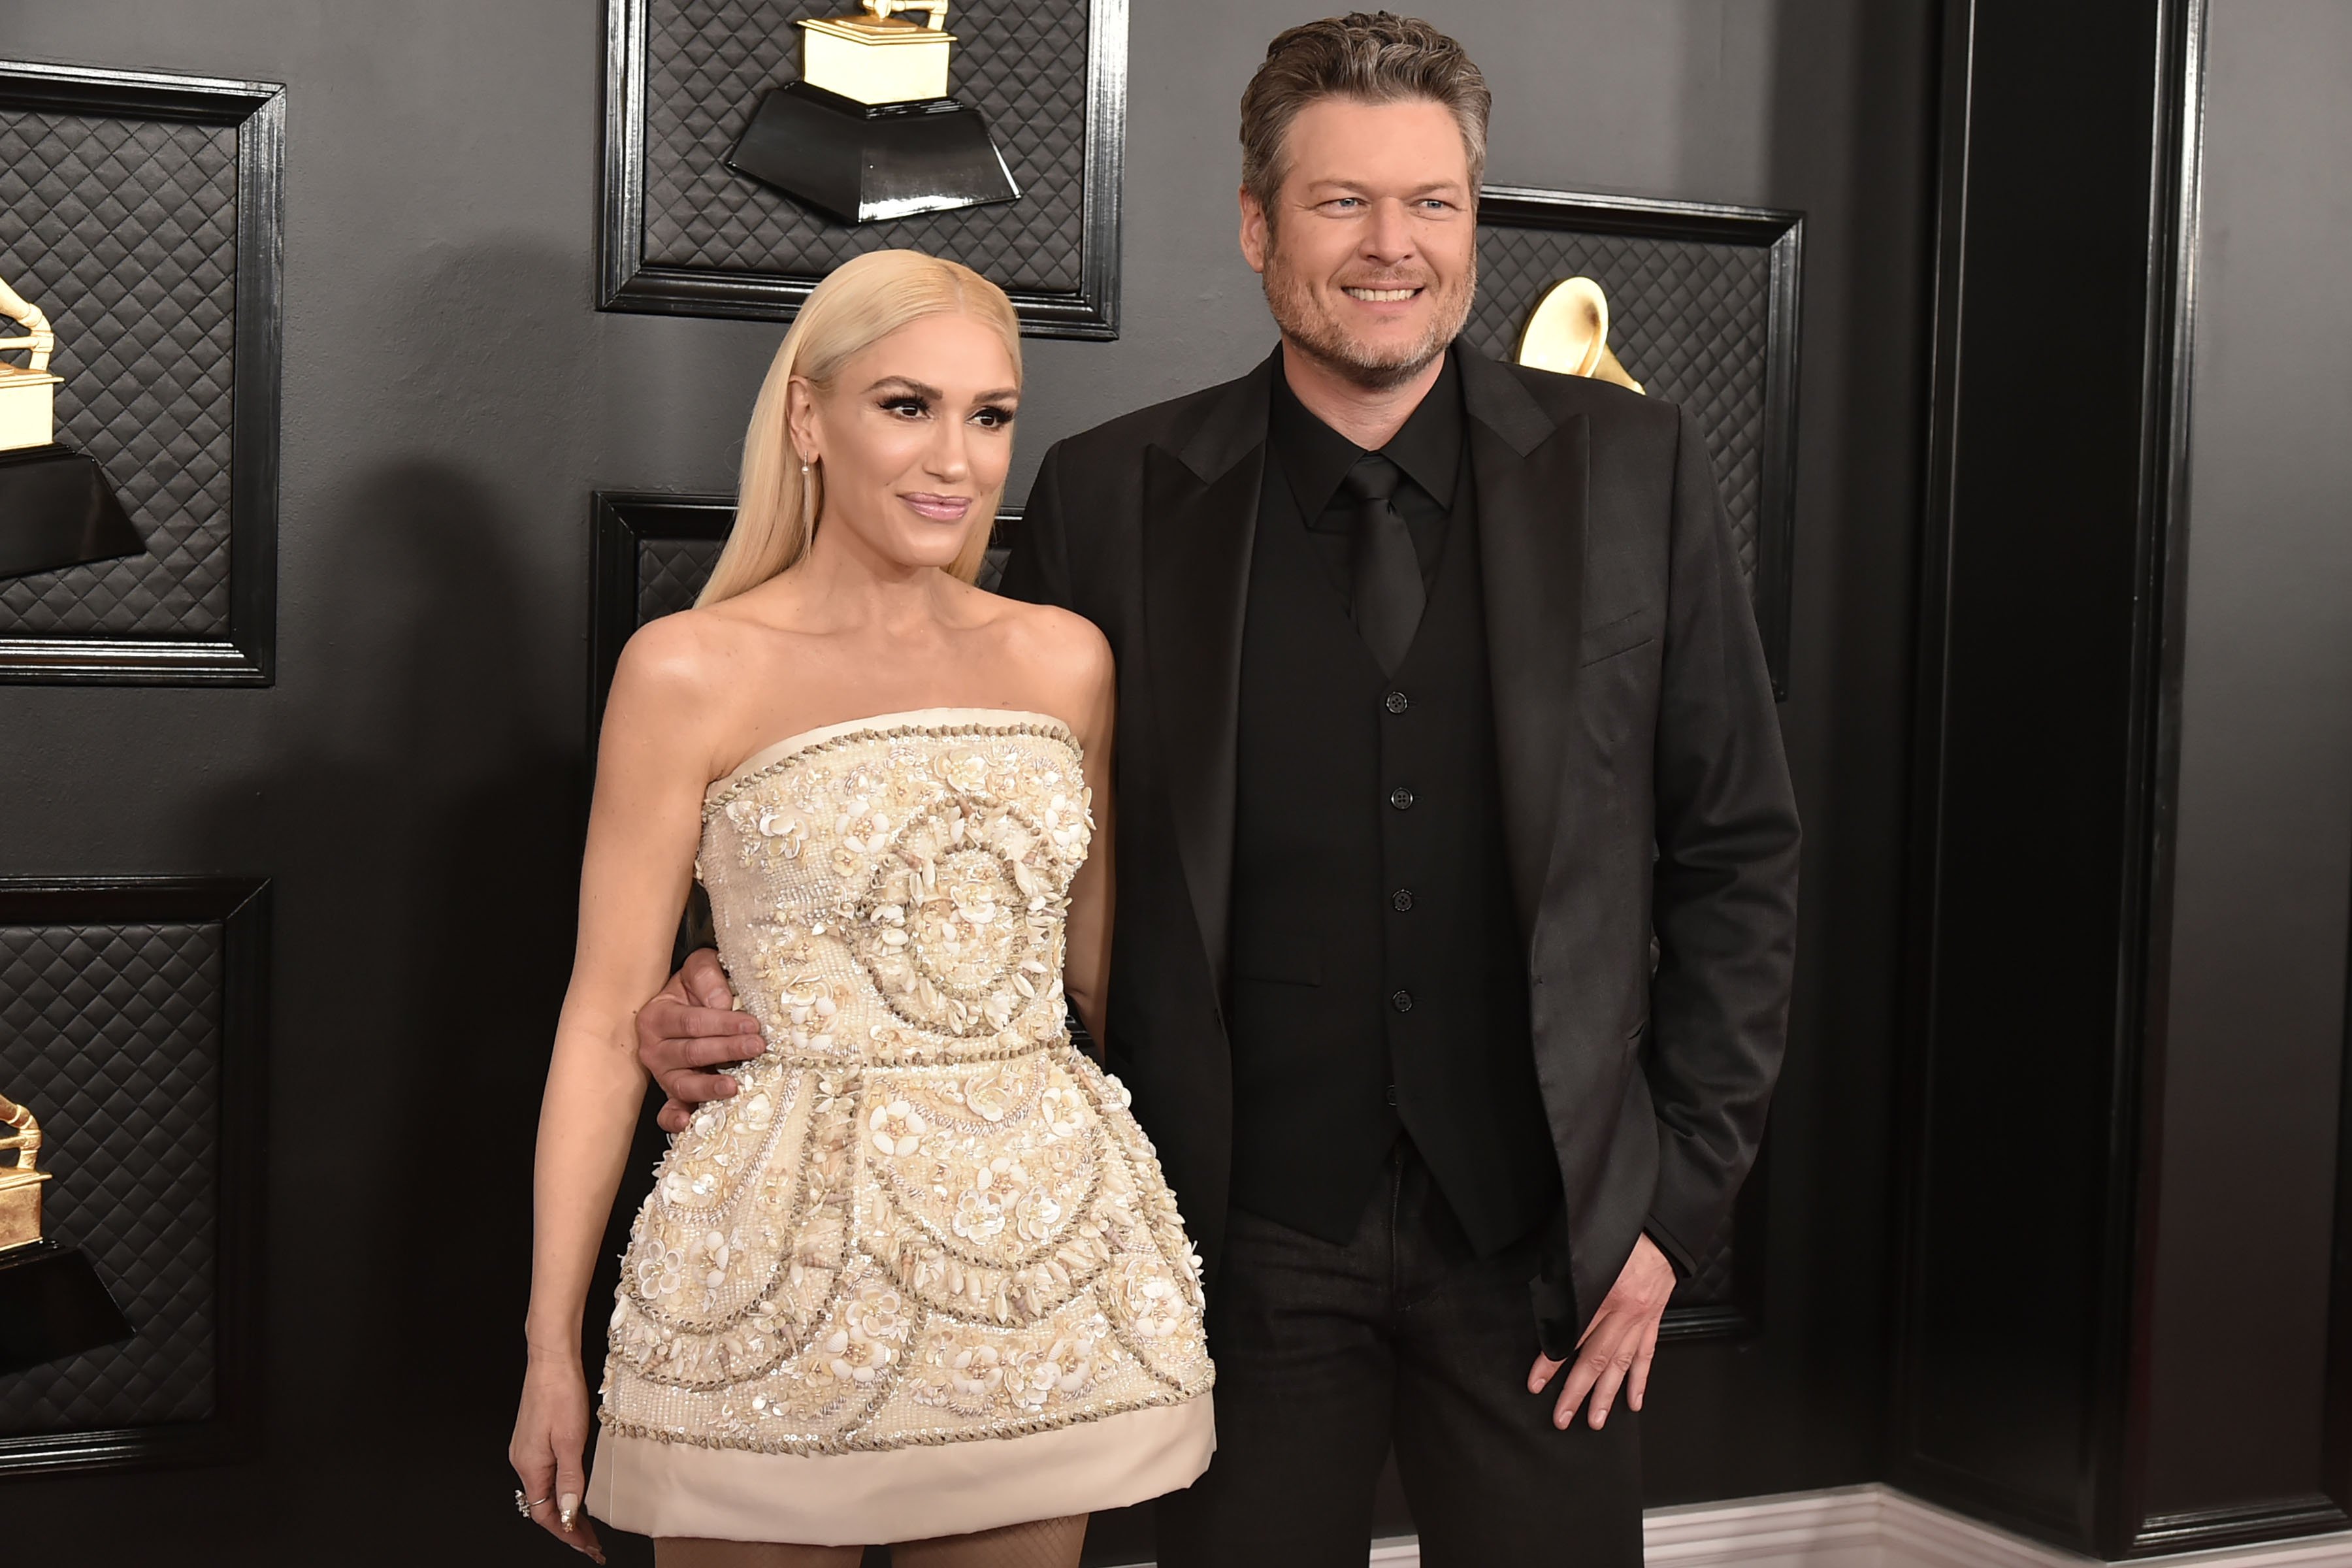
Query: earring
[{"x": 808, "y": 495}]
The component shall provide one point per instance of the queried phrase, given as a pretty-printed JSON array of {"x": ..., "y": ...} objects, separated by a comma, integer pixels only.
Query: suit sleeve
[
  {"x": 1725, "y": 896},
  {"x": 1039, "y": 570}
]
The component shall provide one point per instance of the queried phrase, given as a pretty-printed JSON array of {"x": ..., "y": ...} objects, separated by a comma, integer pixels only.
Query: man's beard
[{"x": 1299, "y": 312}]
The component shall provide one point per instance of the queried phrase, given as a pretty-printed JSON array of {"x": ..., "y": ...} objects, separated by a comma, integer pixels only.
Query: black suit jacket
[{"x": 1643, "y": 787}]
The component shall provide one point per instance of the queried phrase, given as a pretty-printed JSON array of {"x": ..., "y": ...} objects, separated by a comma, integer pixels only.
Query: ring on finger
[{"x": 524, "y": 1508}]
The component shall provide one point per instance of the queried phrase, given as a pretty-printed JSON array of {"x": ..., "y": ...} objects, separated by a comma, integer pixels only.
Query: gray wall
[
  {"x": 414, "y": 781},
  {"x": 2264, "y": 882}
]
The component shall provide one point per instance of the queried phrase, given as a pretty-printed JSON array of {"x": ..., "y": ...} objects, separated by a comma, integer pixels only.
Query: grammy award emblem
[
  {"x": 869, "y": 132},
  {"x": 1568, "y": 332},
  {"x": 20, "y": 1185},
  {"x": 52, "y": 1304},
  {"x": 56, "y": 509},
  {"x": 28, "y": 392}
]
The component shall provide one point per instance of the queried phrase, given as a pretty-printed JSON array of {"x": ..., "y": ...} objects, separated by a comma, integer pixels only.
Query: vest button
[
  {"x": 1401, "y": 1001},
  {"x": 1392, "y": 1094},
  {"x": 1395, "y": 702},
  {"x": 1401, "y": 899},
  {"x": 1401, "y": 797}
]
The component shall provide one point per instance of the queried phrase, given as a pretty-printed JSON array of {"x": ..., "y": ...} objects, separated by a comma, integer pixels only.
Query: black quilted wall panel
[
  {"x": 670, "y": 572},
  {"x": 1022, "y": 63},
  {"x": 682, "y": 233},
  {"x": 112, "y": 1033},
  {"x": 124, "y": 231},
  {"x": 1686, "y": 320}
]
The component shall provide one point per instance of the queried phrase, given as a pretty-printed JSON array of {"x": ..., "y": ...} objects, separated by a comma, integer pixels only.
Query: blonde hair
[{"x": 860, "y": 302}]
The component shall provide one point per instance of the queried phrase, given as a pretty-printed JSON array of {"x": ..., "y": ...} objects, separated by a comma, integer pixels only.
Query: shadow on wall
[{"x": 423, "y": 810}]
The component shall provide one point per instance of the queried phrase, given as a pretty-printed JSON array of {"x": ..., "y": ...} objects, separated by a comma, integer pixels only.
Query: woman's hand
[{"x": 550, "y": 1438}]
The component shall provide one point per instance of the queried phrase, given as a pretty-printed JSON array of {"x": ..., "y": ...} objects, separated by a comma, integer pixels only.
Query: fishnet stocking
[
  {"x": 1041, "y": 1543},
  {"x": 680, "y": 1552}
]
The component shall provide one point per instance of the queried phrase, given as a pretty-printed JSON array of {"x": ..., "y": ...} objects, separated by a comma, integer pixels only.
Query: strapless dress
[{"x": 921, "y": 1275}]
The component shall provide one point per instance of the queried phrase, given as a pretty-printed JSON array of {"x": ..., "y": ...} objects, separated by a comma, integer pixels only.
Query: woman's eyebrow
[
  {"x": 911, "y": 385},
  {"x": 999, "y": 395}
]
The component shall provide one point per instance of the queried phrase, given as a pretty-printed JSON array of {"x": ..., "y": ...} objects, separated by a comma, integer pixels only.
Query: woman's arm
[
  {"x": 653, "y": 764},
  {"x": 1086, "y": 969}
]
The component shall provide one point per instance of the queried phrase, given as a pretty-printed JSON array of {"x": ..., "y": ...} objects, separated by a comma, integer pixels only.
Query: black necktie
[{"x": 1387, "y": 587}]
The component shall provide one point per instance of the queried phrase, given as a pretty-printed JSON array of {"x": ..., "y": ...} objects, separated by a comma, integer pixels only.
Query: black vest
[{"x": 1379, "y": 974}]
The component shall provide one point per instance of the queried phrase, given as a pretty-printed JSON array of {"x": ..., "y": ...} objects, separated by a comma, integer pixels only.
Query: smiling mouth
[
  {"x": 1380, "y": 296},
  {"x": 938, "y": 509}
]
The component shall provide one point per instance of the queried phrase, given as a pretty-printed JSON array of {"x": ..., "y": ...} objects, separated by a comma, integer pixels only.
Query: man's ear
[{"x": 1254, "y": 231}]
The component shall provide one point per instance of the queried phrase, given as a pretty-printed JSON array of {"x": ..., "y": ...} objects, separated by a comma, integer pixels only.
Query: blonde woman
[{"x": 920, "y": 1280}]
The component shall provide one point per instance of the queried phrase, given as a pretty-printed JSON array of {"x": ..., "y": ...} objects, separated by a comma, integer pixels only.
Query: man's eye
[{"x": 1346, "y": 202}]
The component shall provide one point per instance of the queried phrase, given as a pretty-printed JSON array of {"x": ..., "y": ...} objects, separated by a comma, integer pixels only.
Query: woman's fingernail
[{"x": 568, "y": 1505}]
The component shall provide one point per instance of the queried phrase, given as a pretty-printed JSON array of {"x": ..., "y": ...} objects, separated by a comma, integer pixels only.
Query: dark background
[
  {"x": 413, "y": 785},
  {"x": 2124, "y": 1316},
  {"x": 2253, "y": 1105}
]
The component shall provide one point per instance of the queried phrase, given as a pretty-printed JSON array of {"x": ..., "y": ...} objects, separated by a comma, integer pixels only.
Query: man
[{"x": 1440, "y": 697}]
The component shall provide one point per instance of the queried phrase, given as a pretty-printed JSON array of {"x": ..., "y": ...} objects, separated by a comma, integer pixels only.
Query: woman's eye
[
  {"x": 911, "y": 406},
  {"x": 994, "y": 418}
]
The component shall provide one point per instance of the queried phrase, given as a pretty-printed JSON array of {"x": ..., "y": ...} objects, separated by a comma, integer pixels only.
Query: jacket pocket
[{"x": 1611, "y": 638}]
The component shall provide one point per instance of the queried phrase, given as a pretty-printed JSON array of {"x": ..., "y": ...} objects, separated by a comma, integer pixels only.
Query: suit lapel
[
  {"x": 1199, "y": 519},
  {"x": 1532, "y": 479}
]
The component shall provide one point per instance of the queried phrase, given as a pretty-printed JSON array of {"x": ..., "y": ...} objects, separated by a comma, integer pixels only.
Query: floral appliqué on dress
[{"x": 926, "y": 1216}]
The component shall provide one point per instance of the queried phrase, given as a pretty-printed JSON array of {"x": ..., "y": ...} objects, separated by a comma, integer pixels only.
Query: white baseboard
[{"x": 1876, "y": 1527}]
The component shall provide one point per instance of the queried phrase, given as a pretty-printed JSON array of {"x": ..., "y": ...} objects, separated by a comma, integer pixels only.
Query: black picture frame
[
  {"x": 246, "y": 656},
  {"x": 623, "y": 523},
  {"x": 1780, "y": 234},
  {"x": 626, "y": 282},
  {"x": 241, "y": 906}
]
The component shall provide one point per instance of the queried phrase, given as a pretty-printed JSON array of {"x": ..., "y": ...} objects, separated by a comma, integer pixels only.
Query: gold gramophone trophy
[
  {"x": 869, "y": 132},
  {"x": 28, "y": 392},
  {"x": 1568, "y": 332},
  {"x": 52, "y": 1304},
  {"x": 20, "y": 1184},
  {"x": 56, "y": 509}
]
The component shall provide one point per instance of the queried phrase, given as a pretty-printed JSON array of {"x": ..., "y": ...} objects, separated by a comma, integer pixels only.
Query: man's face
[{"x": 1370, "y": 259}]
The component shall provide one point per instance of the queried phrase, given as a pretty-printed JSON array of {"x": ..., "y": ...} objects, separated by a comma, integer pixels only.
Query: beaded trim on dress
[{"x": 925, "y": 1218}]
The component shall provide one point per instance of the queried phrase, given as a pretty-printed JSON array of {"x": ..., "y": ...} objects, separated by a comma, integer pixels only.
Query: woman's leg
[
  {"x": 1041, "y": 1543},
  {"x": 679, "y": 1551}
]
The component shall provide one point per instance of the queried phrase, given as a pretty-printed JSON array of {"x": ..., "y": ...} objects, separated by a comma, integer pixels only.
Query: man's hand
[
  {"x": 690, "y": 1027},
  {"x": 1618, "y": 1342}
]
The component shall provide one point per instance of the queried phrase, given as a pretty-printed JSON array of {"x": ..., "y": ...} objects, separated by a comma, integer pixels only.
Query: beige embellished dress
[{"x": 921, "y": 1274}]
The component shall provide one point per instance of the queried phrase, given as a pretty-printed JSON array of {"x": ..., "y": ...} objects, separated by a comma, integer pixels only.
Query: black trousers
[{"x": 1328, "y": 1354}]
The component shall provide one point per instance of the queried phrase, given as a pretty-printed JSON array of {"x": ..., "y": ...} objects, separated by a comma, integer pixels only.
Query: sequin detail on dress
[{"x": 926, "y": 1217}]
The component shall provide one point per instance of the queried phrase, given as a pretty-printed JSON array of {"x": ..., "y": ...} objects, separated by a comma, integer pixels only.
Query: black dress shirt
[{"x": 1313, "y": 458}]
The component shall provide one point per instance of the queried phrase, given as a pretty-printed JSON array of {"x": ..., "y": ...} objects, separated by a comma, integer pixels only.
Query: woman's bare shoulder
[
  {"x": 1057, "y": 639},
  {"x": 1065, "y": 664},
  {"x": 689, "y": 656}
]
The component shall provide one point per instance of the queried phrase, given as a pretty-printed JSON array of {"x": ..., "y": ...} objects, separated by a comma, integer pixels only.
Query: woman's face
[{"x": 913, "y": 434}]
